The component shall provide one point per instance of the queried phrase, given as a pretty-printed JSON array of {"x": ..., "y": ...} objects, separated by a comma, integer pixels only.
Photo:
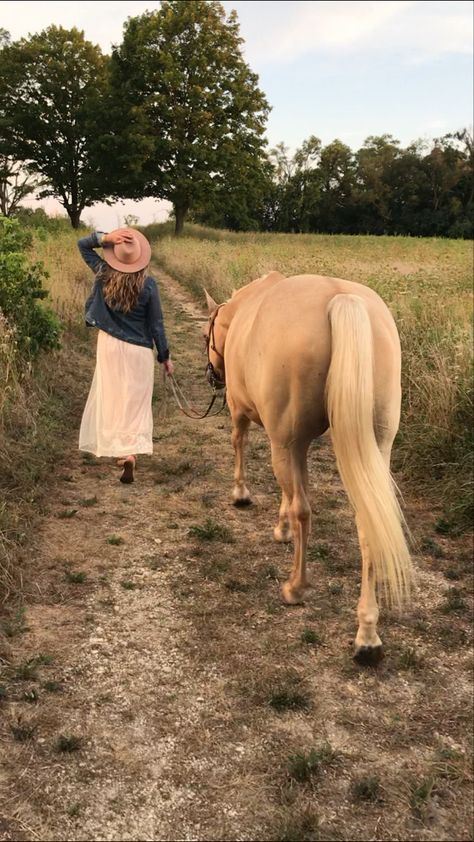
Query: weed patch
[
  {"x": 310, "y": 637},
  {"x": 305, "y": 767},
  {"x": 68, "y": 744},
  {"x": 212, "y": 531},
  {"x": 67, "y": 513},
  {"x": 16, "y": 625},
  {"x": 128, "y": 585},
  {"x": 303, "y": 826},
  {"x": 421, "y": 794},
  {"x": 53, "y": 686},
  {"x": 454, "y": 601},
  {"x": 87, "y": 502},
  {"x": 319, "y": 552},
  {"x": 115, "y": 540},
  {"x": 22, "y": 733},
  {"x": 366, "y": 788},
  {"x": 75, "y": 578},
  {"x": 410, "y": 659}
]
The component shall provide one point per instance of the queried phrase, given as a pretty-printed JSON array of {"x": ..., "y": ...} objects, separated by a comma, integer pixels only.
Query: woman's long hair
[{"x": 121, "y": 289}]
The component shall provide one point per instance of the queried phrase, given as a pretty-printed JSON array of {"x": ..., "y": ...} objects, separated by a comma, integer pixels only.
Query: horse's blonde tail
[{"x": 363, "y": 469}]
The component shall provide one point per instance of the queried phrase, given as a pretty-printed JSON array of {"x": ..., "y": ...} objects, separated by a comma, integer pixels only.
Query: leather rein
[{"x": 213, "y": 379}]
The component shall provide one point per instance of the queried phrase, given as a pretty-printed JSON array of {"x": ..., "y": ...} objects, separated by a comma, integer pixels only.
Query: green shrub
[
  {"x": 36, "y": 327},
  {"x": 38, "y": 221}
]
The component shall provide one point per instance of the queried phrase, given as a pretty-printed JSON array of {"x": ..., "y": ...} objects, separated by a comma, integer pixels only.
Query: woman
[{"x": 125, "y": 306}]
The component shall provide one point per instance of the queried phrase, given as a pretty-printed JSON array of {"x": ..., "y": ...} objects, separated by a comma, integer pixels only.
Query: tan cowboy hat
[{"x": 128, "y": 256}]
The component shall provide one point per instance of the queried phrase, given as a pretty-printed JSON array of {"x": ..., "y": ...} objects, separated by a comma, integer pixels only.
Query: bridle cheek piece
[{"x": 212, "y": 376}]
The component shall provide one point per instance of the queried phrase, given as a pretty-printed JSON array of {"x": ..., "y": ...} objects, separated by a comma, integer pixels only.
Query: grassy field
[{"x": 427, "y": 283}]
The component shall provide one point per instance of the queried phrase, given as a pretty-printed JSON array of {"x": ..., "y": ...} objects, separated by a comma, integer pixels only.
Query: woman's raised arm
[{"x": 87, "y": 246}]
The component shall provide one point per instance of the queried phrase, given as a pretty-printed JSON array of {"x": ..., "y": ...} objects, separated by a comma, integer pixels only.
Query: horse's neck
[
  {"x": 256, "y": 287},
  {"x": 252, "y": 291}
]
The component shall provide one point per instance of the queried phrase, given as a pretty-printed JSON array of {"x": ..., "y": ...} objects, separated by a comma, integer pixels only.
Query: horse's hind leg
[
  {"x": 291, "y": 472},
  {"x": 282, "y": 531},
  {"x": 240, "y": 494},
  {"x": 368, "y": 646}
]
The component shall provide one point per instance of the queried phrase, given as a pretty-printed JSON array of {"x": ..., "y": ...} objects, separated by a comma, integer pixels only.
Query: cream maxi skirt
[{"x": 117, "y": 419}]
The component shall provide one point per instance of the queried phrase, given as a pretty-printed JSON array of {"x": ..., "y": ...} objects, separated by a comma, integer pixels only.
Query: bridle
[
  {"x": 212, "y": 378},
  {"x": 211, "y": 374}
]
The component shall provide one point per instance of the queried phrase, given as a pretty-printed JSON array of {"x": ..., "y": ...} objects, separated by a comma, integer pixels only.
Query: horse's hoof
[
  {"x": 283, "y": 536},
  {"x": 368, "y": 656},
  {"x": 242, "y": 502},
  {"x": 290, "y": 596}
]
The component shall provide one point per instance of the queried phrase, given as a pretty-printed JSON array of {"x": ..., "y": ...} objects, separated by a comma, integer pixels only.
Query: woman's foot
[{"x": 128, "y": 469}]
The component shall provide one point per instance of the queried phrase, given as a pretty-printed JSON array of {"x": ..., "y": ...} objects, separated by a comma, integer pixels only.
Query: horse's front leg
[{"x": 240, "y": 494}]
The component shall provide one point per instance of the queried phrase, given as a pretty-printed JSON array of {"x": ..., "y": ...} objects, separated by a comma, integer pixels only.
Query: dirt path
[{"x": 160, "y": 690}]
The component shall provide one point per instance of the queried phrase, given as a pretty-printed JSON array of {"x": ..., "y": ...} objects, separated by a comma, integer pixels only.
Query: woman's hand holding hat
[
  {"x": 120, "y": 235},
  {"x": 130, "y": 250}
]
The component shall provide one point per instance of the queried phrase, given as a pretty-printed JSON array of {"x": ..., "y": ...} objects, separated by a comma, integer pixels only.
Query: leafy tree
[
  {"x": 308, "y": 156},
  {"x": 296, "y": 188},
  {"x": 449, "y": 172},
  {"x": 130, "y": 220},
  {"x": 189, "y": 104},
  {"x": 408, "y": 197},
  {"x": 15, "y": 185},
  {"x": 372, "y": 191},
  {"x": 336, "y": 178},
  {"x": 283, "y": 164},
  {"x": 51, "y": 114},
  {"x": 239, "y": 206},
  {"x": 423, "y": 190}
]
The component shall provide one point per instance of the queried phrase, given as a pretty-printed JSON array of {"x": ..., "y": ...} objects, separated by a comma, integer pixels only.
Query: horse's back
[{"x": 278, "y": 350}]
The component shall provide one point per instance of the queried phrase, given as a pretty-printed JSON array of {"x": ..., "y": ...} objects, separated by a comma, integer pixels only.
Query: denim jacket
[{"x": 142, "y": 325}]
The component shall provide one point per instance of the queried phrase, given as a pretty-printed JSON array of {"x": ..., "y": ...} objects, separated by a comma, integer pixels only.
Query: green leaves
[
  {"x": 181, "y": 82},
  {"x": 51, "y": 95},
  {"x": 36, "y": 327}
]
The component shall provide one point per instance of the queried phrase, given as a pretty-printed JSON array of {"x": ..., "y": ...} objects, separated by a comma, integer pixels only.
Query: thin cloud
[{"x": 416, "y": 30}]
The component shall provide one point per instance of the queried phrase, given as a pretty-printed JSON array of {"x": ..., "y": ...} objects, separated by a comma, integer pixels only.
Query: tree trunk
[
  {"x": 74, "y": 214},
  {"x": 180, "y": 212}
]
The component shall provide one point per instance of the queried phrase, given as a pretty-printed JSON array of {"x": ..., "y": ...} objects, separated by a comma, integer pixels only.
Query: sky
[{"x": 341, "y": 69}]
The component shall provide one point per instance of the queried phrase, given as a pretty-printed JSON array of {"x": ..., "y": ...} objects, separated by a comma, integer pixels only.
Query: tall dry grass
[
  {"x": 427, "y": 283},
  {"x": 69, "y": 278},
  {"x": 38, "y": 406}
]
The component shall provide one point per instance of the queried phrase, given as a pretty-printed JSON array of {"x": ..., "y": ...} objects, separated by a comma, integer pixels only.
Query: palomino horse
[{"x": 299, "y": 355}]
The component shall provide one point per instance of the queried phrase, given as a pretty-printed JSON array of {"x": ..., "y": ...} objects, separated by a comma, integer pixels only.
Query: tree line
[
  {"x": 423, "y": 190},
  {"x": 176, "y": 113}
]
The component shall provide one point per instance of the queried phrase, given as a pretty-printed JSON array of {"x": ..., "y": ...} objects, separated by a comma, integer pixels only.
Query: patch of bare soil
[{"x": 158, "y": 689}]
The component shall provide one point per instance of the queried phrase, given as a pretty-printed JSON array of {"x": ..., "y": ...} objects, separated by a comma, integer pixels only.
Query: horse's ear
[{"x": 211, "y": 304}]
